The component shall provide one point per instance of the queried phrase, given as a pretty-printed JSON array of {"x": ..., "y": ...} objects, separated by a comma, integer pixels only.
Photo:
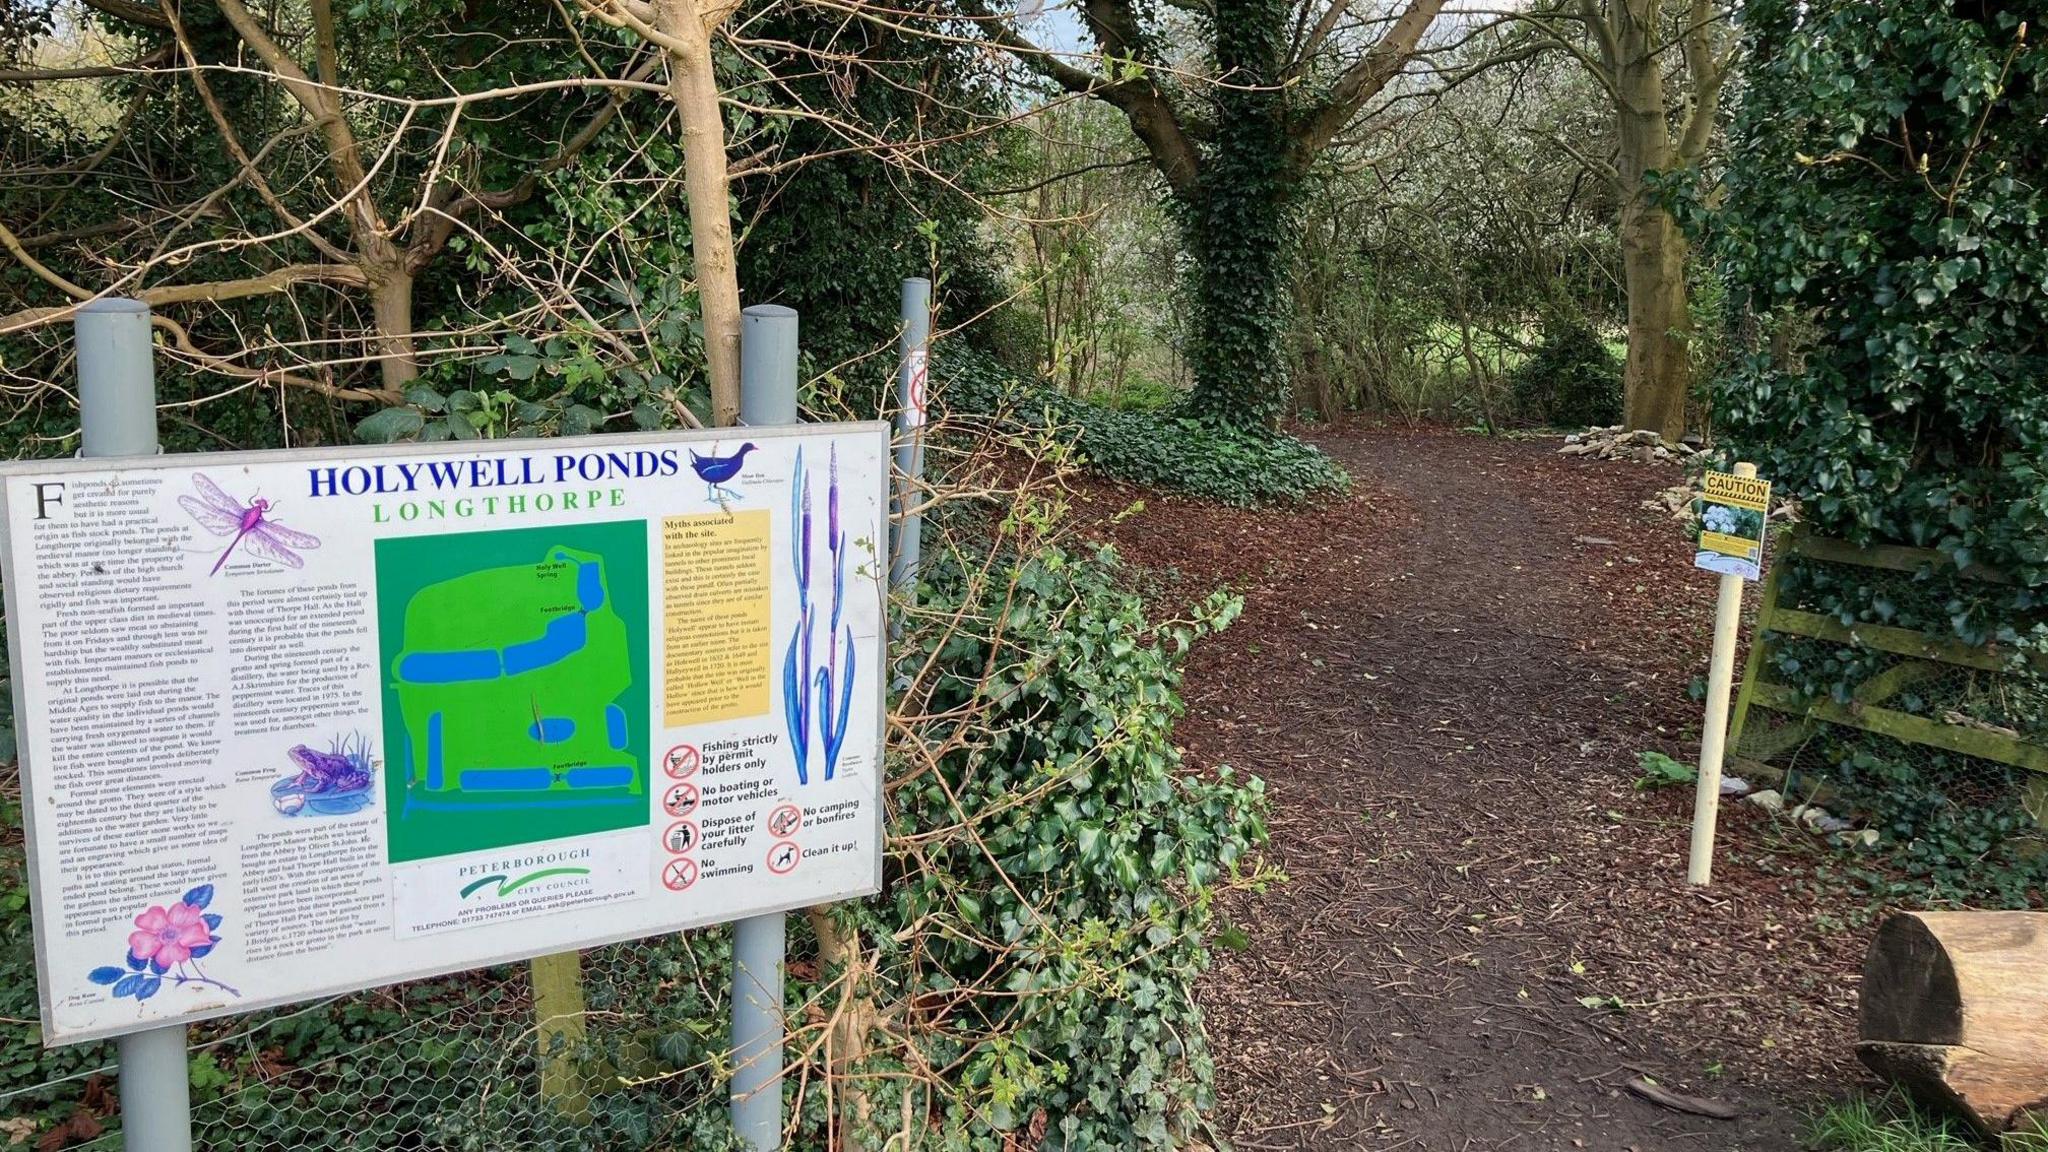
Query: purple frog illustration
[{"x": 331, "y": 783}]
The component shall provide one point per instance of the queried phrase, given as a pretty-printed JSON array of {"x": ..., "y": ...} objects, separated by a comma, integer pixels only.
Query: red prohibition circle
[
  {"x": 682, "y": 761},
  {"x": 784, "y": 856},
  {"x": 682, "y": 836},
  {"x": 784, "y": 821},
  {"x": 679, "y": 874},
  {"x": 680, "y": 799}
]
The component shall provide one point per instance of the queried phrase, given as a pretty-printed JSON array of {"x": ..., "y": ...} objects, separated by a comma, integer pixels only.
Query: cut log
[{"x": 1955, "y": 1011}]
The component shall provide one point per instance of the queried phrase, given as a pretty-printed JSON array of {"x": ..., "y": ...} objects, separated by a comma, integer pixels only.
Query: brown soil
[{"x": 1484, "y": 928}]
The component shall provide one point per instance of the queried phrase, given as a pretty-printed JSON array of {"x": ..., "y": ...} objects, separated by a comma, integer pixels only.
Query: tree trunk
[
  {"x": 391, "y": 309},
  {"x": 1236, "y": 225},
  {"x": 1659, "y": 376},
  {"x": 694, "y": 89},
  {"x": 1952, "y": 1010}
]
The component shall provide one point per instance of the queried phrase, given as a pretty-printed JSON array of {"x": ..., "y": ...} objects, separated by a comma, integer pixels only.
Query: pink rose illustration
[
  {"x": 168, "y": 937},
  {"x": 167, "y": 945}
]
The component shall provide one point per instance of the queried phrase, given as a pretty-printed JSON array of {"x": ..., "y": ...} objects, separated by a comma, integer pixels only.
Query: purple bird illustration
[
  {"x": 715, "y": 470},
  {"x": 223, "y": 515}
]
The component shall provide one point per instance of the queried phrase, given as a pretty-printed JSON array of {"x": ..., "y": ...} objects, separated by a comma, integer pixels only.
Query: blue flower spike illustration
[
  {"x": 714, "y": 470},
  {"x": 799, "y": 679},
  {"x": 167, "y": 944}
]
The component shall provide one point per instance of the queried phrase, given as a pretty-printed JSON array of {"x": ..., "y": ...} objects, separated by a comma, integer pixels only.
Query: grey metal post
[
  {"x": 768, "y": 365},
  {"x": 117, "y": 417},
  {"x": 913, "y": 373},
  {"x": 767, "y": 397}
]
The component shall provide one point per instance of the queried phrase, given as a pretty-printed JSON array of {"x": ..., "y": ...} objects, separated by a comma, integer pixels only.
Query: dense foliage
[
  {"x": 1885, "y": 191},
  {"x": 1231, "y": 464},
  {"x": 1572, "y": 380},
  {"x": 1884, "y": 225},
  {"x": 1093, "y": 894}
]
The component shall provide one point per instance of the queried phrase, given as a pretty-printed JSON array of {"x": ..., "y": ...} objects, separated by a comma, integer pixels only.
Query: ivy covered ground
[{"x": 1446, "y": 680}]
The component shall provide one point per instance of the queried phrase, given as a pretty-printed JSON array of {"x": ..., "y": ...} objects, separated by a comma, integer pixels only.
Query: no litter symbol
[
  {"x": 680, "y": 837},
  {"x": 677, "y": 875},
  {"x": 682, "y": 761},
  {"x": 679, "y": 800},
  {"x": 784, "y": 856},
  {"x": 784, "y": 821}
]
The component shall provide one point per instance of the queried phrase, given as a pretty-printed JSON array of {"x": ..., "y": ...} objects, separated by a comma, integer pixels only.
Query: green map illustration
[{"x": 516, "y": 689}]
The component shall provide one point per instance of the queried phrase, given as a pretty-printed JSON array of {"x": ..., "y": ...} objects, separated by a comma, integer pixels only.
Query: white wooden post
[{"x": 1706, "y": 801}]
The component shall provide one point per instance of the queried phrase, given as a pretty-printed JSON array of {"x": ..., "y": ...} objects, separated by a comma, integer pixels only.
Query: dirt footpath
[{"x": 1484, "y": 932}]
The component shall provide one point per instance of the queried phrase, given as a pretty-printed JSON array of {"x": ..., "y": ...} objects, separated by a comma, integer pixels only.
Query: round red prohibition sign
[
  {"x": 681, "y": 836},
  {"x": 783, "y": 857},
  {"x": 680, "y": 799},
  {"x": 785, "y": 820},
  {"x": 682, "y": 761},
  {"x": 677, "y": 875}
]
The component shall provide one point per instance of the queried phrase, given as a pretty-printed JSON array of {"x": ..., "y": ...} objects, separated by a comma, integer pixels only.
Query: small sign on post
[
  {"x": 1733, "y": 511},
  {"x": 300, "y": 723}
]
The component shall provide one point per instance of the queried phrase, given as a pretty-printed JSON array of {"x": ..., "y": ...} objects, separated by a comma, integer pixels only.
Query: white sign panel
[{"x": 298, "y": 723}]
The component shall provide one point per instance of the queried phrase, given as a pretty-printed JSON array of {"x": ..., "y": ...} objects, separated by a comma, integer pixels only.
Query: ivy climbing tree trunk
[
  {"x": 1237, "y": 226},
  {"x": 1234, "y": 157}
]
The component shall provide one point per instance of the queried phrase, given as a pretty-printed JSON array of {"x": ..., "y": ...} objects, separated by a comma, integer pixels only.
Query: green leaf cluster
[
  {"x": 1235, "y": 464},
  {"x": 1087, "y": 892},
  {"x": 1572, "y": 380}
]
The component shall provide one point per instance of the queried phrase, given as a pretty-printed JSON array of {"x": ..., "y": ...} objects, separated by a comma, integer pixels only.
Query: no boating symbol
[
  {"x": 682, "y": 761},
  {"x": 919, "y": 366},
  {"x": 679, "y": 800},
  {"x": 784, "y": 821},
  {"x": 783, "y": 857}
]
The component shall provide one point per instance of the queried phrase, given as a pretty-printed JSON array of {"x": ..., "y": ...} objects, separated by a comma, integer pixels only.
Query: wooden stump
[{"x": 1955, "y": 1011}]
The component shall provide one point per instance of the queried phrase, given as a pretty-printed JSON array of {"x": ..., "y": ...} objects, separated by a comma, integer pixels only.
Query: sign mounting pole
[
  {"x": 1706, "y": 803},
  {"x": 117, "y": 417},
  {"x": 759, "y": 943},
  {"x": 913, "y": 376}
]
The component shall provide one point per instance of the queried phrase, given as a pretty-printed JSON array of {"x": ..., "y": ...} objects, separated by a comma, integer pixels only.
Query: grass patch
[{"x": 1890, "y": 1124}]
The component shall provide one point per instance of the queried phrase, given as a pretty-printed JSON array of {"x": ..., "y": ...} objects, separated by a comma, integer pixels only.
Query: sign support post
[
  {"x": 1706, "y": 803},
  {"x": 117, "y": 417},
  {"x": 912, "y": 398},
  {"x": 768, "y": 342}
]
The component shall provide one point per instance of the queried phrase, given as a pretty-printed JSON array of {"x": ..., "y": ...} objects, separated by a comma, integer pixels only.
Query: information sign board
[
  {"x": 1733, "y": 510},
  {"x": 299, "y": 723}
]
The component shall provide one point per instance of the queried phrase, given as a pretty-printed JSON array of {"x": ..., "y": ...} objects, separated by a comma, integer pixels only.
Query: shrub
[
  {"x": 1159, "y": 449},
  {"x": 1572, "y": 380}
]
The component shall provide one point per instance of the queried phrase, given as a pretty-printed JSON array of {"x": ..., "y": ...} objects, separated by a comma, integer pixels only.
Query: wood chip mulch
[{"x": 1484, "y": 932}]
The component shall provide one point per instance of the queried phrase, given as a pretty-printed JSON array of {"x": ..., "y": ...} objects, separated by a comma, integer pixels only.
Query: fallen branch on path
[{"x": 1680, "y": 1102}]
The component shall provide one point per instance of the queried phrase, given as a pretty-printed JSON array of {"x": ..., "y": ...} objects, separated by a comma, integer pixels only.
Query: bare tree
[{"x": 1661, "y": 124}]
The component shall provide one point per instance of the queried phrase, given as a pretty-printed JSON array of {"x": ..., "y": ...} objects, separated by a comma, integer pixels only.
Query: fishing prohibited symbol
[
  {"x": 682, "y": 761},
  {"x": 784, "y": 856},
  {"x": 784, "y": 821},
  {"x": 677, "y": 875}
]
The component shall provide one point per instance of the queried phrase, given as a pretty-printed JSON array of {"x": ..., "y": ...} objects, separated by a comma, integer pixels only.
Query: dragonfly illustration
[{"x": 223, "y": 515}]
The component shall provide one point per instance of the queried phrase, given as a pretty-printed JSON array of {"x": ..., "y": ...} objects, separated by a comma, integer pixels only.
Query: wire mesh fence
[
  {"x": 1883, "y": 707},
  {"x": 464, "y": 1062}
]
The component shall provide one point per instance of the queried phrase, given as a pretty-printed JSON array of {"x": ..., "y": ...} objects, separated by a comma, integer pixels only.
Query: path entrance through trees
[{"x": 1486, "y": 930}]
